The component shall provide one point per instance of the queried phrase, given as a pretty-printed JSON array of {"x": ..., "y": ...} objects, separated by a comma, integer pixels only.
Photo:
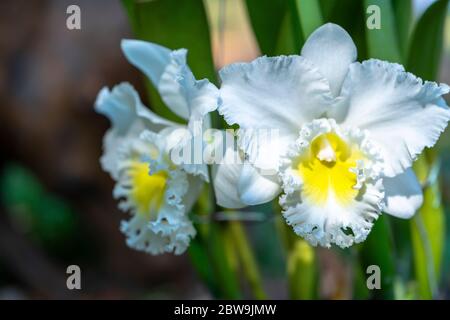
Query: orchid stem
[
  {"x": 301, "y": 260},
  {"x": 247, "y": 259},
  {"x": 301, "y": 269},
  {"x": 215, "y": 243}
]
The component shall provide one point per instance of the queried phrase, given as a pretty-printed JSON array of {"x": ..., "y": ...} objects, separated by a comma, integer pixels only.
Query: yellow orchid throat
[
  {"x": 328, "y": 170},
  {"x": 147, "y": 190}
]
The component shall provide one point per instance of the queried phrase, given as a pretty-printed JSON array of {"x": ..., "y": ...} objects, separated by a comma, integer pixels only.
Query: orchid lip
[{"x": 328, "y": 173}]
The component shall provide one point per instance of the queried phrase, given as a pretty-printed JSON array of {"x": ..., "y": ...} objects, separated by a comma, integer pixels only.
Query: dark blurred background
[
  {"x": 56, "y": 203},
  {"x": 57, "y": 207}
]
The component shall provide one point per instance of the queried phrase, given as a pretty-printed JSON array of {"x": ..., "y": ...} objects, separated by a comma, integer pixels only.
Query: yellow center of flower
[
  {"x": 147, "y": 191},
  {"x": 325, "y": 170}
]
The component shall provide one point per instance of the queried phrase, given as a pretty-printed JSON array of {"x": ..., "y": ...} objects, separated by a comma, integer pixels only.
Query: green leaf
[
  {"x": 328, "y": 7},
  {"x": 267, "y": 18},
  {"x": 403, "y": 17},
  {"x": 347, "y": 14},
  {"x": 287, "y": 43},
  {"x": 174, "y": 24},
  {"x": 378, "y": 250},
  {"x": 47, "y": 218},
  {"x": 130, "y": 8},
  {"x": 382, "y": 43},
  {"x": 428, "y": 234},
  {"x": 360, "y": 290},
  {"x": 309, "y": 14},
  {"x": 403, "y": 248},
  {"x": 428, "y": 226},
  {"x": 426, "y": 44}
]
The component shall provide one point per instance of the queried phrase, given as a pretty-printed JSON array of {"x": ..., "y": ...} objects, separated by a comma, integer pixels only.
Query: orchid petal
[
  {"x": 402, "y": 114},
  {"x": 331, "y": 49},
  {"x": 403, "y": 195}
]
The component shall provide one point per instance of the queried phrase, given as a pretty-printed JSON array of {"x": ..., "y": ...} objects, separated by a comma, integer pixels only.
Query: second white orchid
[{"x": 156, "y": 191}]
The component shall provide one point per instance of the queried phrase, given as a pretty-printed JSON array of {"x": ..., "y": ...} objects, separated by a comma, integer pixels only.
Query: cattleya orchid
[
  {"x": 348, "y": 133},
  {"x": 157, "y": 192}
]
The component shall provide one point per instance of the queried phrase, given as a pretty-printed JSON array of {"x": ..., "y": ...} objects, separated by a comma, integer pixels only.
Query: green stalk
[
  {"x": 223, "y": 262},
  {"x": 378, "y": 250},
  {"x": 220, "y": 249},
  {"x": 428, "y": 233},
  {"x": 301, "y": 265},
  {"x": 302, "y": 273},
  {"x": 209, "y": 251},
  {"x": 212, "y": 253},
  {"x": 247, "y": 259}
]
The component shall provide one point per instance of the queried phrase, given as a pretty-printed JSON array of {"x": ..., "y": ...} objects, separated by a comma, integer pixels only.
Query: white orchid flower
[
  {"x": 157, "y": 192},
  {"x": 348, "y": 135}
]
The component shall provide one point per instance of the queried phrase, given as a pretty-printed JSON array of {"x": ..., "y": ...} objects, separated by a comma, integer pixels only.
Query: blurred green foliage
[
  {"x": 424, "y": 56},
  {"x": 403, "y": 12},
  {"x": 383, "y": 43},
  {"x": 302, "y": 271},
  {"x": 378, "y": 250},
  {"x": 309, "y": 15},
  {"x": 428, "y": 226},
  {"x": 340, "y": 11},
  {"x": 267, "y": 34},
  {"x": 44, "y": 216}
]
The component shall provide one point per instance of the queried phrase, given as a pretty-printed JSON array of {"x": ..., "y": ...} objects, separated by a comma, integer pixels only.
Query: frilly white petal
[
  {"x": 343, "y": 226},
  {"x": 273, "y": 92},
  {"x": 183, "y": 94},
  {"x": 111, "y": 149},
  {"x": 161, "y": 66},
  {"x": 331, "y": 49},
  {"x": 168, "y": 229},
  {"x": 199, "y": 170},
  {"x": 196, "y": 185},
  {"x": 403, "y": 195},
  {"x": 332, "y": 222},
  {"x": 169, "y": 86},
  {"x": 186, "y": 151},
  {"x": 123, "y": 107},
  {"x": 128, "y": 117},
  {"x": 170, "y": 74},
  {"x": 158, "y": 237},
  {"x": 402, "y": 113},
  {"x": 118, "y": 105},
  {"x": 278, "y": 94}
]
